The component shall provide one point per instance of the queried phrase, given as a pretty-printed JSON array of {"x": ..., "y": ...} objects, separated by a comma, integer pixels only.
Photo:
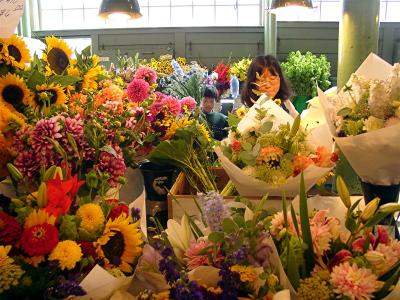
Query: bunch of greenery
[{"x": 306, "y": 71}]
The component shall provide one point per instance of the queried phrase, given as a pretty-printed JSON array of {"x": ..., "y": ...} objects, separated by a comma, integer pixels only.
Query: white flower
[
  {"x": 179, "y": 235},
  {"x": 373, "y": 123},
  {"x": 379, "y": 101}
]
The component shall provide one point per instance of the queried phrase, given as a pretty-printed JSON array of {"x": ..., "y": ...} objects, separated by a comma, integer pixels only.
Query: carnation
[
  {"x": 147, "y": 74},
  {"x": 354, "y": 282},
  {"x": 138, "y": 90},
  {"x": 199, "y": 254}
]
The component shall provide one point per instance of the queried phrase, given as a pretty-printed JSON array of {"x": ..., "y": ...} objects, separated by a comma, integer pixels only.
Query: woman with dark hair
[{"x": 265, "y": 77}]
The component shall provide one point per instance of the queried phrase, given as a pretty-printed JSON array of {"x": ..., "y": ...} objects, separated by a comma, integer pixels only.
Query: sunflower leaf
[
  {"x": 64, "y": 80},
  {"x": 36, "y": 78}
]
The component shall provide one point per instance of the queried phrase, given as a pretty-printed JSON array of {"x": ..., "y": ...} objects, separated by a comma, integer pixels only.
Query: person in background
[
  {"x": 265, "y": 77},
  {"x": 216, "y": 121}
]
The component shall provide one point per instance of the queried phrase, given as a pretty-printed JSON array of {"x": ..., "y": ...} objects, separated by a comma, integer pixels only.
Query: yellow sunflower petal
[
  {"x": 57, "y": 55},
  {"x": 15, "y": 52},
  {"x": 14, "y": 93},
  {"x": 39, "y": 217}
]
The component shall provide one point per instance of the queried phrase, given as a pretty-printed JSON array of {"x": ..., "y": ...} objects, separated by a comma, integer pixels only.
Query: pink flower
[
  {"x": 172, "y": 105},
  {"x": 45, "y": 129},
  {"x": 147, "y": 74},
  {"x": 113, "y": 164},
  {"x": 277, "y": 224},
  {"x": 354, "y": 282},
  {"x": 188, "y": 104},
  {"x": 323, "y": 231},
  {"x": 138, "y": 90},
  {"x": 382, "y": 237},
  {"x": 195, "y": 259}
]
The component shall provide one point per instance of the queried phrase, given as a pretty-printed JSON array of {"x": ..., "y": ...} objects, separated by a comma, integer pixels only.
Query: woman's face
[{"x": 268, "y": 83}]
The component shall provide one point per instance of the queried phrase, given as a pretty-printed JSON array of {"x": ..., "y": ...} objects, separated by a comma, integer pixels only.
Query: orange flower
[{"x": 300, "y": 163}]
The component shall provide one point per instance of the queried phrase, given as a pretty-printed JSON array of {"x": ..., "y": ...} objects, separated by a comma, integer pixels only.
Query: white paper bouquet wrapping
[
  {"x": 370, "y": 101},
  {"x": 250, "y": 186}
]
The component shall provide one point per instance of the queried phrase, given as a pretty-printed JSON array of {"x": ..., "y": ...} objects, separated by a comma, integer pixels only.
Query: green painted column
[
  {"x": 269, "y": 30},
  {"x": 358, "y": 35}
]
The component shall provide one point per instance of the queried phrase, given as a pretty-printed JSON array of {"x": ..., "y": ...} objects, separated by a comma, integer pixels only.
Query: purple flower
[
  {"x": 168, "y": 266},
  {"x": 189, "y": 291},
  {"x": 240, "y": 255},
  {"x": 262, "y": 252},
  {"x": 229, "y": 283},
  {"x": 214, "y": 210},
  {"x": 64, "y": 288},
  {"x": 28, "y": 164},
  {"x": 21, "y": 137},
  {"x": 135, "y": 213}
]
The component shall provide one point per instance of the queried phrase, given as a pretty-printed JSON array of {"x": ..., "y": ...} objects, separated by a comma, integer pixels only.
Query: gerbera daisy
[
  {"x": 15, "y": 51},
  {"x": 14, "y": 93},
  {"x": 51, "y": 94},
  {"x": 92, "y": 217},
  {"x": 120, "y": 243},
  {"x": 57, "y": 55},
  {"x": 67, "y": 253}
]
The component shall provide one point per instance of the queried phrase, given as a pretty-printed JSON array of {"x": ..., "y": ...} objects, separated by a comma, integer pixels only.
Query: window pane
[
  {"x": 203, "y": 2},
  {"x": 226, "y": 16},
  {"x": 78, "y": 43},
  {"x": 73, "y": 18},
  {"x": 392, "y": 12},
  {"x": 92, "y": 19},
  {"x": 141, "y": 22},
  {"x": 92, "y": 4},
  {"x": 249, "y": 2},
  {"x": 181, "y": 2},
  {"x": 248, "y": 15},
  {"x": 159, "y": 16},
  {"x": 72, "y": 4},
  {"x": 382, "y": 11},
  {"x": 143, "y": 3},
  {"x": 159, "y": 2},
  {"x": 181, "y": 16},
  {"x": 51, "y": 19},
  {"x": 225, "y": 2},
  {"x": 203, "y": 15},
  {"x": 330, "y": 11},
  {"x": 50, "y": 4}
]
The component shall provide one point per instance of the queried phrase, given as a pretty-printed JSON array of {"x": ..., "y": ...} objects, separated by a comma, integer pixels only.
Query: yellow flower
[
  {"x": 95, "y": 60},
  {"x": 68, "y": 253},
  {"x": 73, "y": 71},
  {"x": 57, "y": 56},
  {"x": 162, "y": 295},
  {"x": 39, "y": 217},
  {"x": 247, "y": 274},
  {"x": 14, "y": 93},
  {"x": 52, "y": 94},
  {"x": 241, "y": 112},
  {"x": 278, "y": 102},
  {"x": 34, "y": 260},
  {"x": 8, "y": 114},
  {"x": 92, "y": 217},
  {"x": 324, "y": 178},
  {"x": 15, "y": 52},
  {"x": 204, "y": 131},
  {"x": 89, "y": 79},
  {"x": 10, "y": 273},
  {"x": 215, "y": 291},
  {"x": 181, "y": 61},
  {"x": 120, "y": 239},
  {"x": 182, "y": 122}
]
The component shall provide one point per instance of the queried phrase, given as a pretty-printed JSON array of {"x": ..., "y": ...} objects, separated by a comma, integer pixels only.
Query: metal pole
[
  {"x": 358, "y": 35},
  {"x": 270, "y": 25}
]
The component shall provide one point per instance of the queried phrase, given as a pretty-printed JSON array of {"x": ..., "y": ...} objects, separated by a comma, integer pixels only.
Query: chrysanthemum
[
  {"x": 188, "y": 104},
  {"x": 15, "y": 51},
  {"x": 51, "y": 94},
  {"x": 120, "y": 243},
  {"x": 138, "y": 90},
  {"x": 92, "y": 217},
  {"x": 354, "y": 282},
  {"x": 14, "y": 93},
  {"x": 57, "y": 55},
  {"x": 147, "y": 74},
  {"x": 10, "y": 273},
  {"x": 10, "y": 229},
  {"x": 67, "y": 253},
  {"x": 271, "y": 155}
]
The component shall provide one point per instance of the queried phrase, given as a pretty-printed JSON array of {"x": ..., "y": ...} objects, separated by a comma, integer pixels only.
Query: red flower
[
  {"x": 118, "y": 210},
  {"x": 60, "y": 195},
  {"x": 236, "y": 145},
  {"x": 88, "y": 248},
  {"x": 39, "y": 239},
  {"x": 10, "y": 229},
  {"x": 340, "y": 257},
  {"x": 223, "y": 77}
]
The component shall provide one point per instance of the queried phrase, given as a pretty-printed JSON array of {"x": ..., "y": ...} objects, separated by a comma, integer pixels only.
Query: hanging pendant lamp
[{"x": 128, "y": 8}]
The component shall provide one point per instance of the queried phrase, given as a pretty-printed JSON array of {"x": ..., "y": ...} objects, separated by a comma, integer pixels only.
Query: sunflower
[
  {"x": 53, "y": 94},
  {"x": 182, "y": 122},
  {"x": 15, "y": 52},
  {"x": 57, "y": 55},
  {"x": 89, "y": 79},
  {"x": 14, "y": 93},
  {"x": 204, "y": 131},
  {"x": 9, "y": 115},
  {"x": 120, "y": 243}
]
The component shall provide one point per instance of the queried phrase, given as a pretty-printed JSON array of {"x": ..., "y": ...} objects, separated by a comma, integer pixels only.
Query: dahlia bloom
[
  {"x": 354, "y": 282},
  {"x": 323, "y": 231},
  {"x": 196, "y": 258},
  {"x": 138, "y": 90},
  {"x": 188, "y": 104},
  {"x": 44, "y": 129},
  {"x": 172, "y": 105},
  {"x": 147, "y": 74}
]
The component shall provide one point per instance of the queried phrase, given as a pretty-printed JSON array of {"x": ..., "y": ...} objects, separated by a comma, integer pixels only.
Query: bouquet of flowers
[
  {"x": 240, "y": 68},
  {"x": 364, "y": 119},
  {"x": 322, "y": 261},
  {"x": 228, "y": 255},
  {"x": 267, "y": 150},
  {"x": 51, "y": 238}
]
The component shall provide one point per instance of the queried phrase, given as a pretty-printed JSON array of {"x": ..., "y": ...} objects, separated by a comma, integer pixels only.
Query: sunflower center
[
  {"x": 14, "y": 52},
  {"x": 114, "y": 249},
  {"x": 39, "y": 232},
  {"x": 58, "y": 60},
  {"x": 14, "y": 95}
]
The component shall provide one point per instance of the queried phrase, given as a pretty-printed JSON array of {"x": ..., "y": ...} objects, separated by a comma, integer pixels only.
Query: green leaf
[
  {"x": 36, "y": 78},
  {"x": 248, "y": 157},
  {"x": 266, "y": 127},
  {"x": 229, "y": 226},
  {"x": 351, "y": 223},
  {"x": 344, "y": 112},
  {"x": 87, "y": 51},
  {"x": 239, "y": 220},
  {"x": 305, "y": 228},
  {"x": 294, "y": 219},
  {"x": 295, "y": 127},
  {"x": 69, "y": 228},
  {"x": 293, "y": 268},
  {"x": 376, "y": 219},
  {"x": 233, "y": 120},
  {"x": 247, "y": 146},
  {"x": 216, "y": 237},
  {"x": 64, "y": 80}
]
